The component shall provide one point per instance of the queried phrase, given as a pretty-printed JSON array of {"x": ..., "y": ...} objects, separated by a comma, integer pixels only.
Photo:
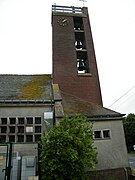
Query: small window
[
  {"x": 3, "y": 120},
  {"x": 29, "y": 120},
  {"x": 20, "y": 138},
  {"x": 29, "y": 129},
  {"x": 37, "y": 137},
  {"x": 29, "y": 138},
  {"x": 3, "y": 139},
  {"x": 97, "y": 134},
  {"x": 11, "y": 138},
  {"x": 106, "y": 133},
  {"x": 37, "y": 129},
  {"x": 12, "y": 129},
  {"x": 20, "y": 129},
  {"x": 20, "y": 120},
  {"x": 3, "y": 129},
  {"x": 12, "y": 120},
  {"x": 48, "y": 115},
  {"x": 37, "y": 120}
]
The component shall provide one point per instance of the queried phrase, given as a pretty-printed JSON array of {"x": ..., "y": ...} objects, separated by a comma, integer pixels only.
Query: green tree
[
  {"x": 68, "y": 149},
  {"x": 129, "y": 127}
]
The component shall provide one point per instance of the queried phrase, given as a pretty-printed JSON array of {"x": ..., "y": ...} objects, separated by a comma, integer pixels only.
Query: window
[
  {"x": 106, "y": 133},
  {"x": 12, "y": 120},
  {"x": 48, "y": 115},
  {"x": 11, "y": 138},
  {"x": 37, "y": 120},
  {"x": 20, "y": 138},
  {"x": 97, "y": 134},
  {"x": 48, "y": 118},
  {"x": 3, "y": 120},
  {"x": 29, "y": 138},
  {"x": 12, "y": 129},
  {"x": 29, "y": 129},
  {"x": 21, "y": 129},
  {"x": 37, "y": 129},
  {"x": 3, "y": 139},
  {"x": 20, "y": 120},
  {"x": 3, "y": 129},
  {"x": 29, "y": 120},
  {"x": 37, "y": 137},
  {"x": 102, "y": 134}
]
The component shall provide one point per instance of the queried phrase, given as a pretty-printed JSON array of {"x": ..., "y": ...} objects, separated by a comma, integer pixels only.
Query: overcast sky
[{"x": 25, "y": 43}]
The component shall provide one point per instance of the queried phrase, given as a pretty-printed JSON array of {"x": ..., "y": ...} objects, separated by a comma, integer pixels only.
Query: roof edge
[
  {"x": 26, "y": 101},
  {"x": 102, "y": 117}
]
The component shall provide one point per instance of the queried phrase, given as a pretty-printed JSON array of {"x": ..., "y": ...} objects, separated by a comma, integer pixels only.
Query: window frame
[{"x": 103, "y": 137}]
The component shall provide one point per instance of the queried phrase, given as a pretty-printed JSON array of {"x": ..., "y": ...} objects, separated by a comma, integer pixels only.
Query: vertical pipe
[
  {"x": 9, "y": 162},
  {"x": 6, "y": 166}
]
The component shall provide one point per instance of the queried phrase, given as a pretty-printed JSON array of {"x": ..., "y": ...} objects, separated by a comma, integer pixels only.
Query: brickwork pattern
[
  {"x": 110, "y": 174},
  {"x": 64, "y": 61}
]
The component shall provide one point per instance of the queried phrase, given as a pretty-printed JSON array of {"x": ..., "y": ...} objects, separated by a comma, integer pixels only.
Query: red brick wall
[{"x": 64, "y": 61}]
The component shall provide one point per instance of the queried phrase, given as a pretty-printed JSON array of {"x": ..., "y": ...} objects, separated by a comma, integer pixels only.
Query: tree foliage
[
  {"x": 129, "y": 127},
  {"x": 68, "y": 149}
]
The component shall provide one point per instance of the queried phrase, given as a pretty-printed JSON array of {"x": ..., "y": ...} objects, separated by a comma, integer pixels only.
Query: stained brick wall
[
  {"x": 64, "y": 60},
  {"x": 110, "y": 174}
]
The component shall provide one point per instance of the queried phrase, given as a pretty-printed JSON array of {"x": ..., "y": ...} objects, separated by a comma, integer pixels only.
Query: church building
[{"x": 31, "y": 104}]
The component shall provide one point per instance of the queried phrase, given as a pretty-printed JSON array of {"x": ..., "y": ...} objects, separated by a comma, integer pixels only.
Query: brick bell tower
[{"x": 74, "y": 61}]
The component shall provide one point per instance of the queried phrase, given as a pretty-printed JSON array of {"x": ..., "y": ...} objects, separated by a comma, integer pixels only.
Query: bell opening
[
  {"x": 78, "y": 45},
  {"x": 81, "y": 66}
]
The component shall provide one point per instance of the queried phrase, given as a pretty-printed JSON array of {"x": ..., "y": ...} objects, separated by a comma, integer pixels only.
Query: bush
[{"x": 68, "y": 149}]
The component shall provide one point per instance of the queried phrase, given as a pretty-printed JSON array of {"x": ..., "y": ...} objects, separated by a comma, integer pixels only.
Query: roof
[
  {"x": 39, "y": 87},
  {"x": 73, "y": 105},
  {"x": 25, "y": 87}
]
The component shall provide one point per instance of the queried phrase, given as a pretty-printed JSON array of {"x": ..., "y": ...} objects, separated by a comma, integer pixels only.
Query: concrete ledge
[{"x": 33, "y": 178}]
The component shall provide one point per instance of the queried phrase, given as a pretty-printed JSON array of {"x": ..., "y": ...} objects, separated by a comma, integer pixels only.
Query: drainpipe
[{"x": 126, "y": 172}]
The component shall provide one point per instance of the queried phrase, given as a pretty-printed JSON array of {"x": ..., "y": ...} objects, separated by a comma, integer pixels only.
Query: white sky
[{"x": 25, "y": 43}]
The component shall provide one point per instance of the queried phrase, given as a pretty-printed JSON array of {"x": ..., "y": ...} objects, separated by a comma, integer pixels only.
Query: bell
[
  {"x": 78, "y": 44},
  {"x": 81, "y": 66}
]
